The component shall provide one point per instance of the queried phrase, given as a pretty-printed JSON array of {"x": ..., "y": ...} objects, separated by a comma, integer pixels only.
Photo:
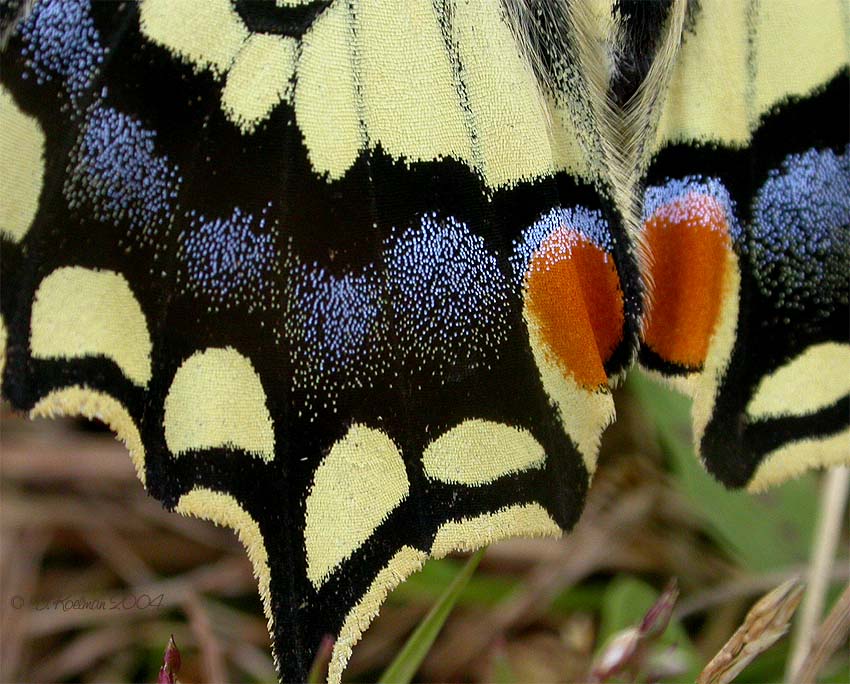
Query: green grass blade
[
  {"x": 408, "y": 660},
  {"x": 764, "y": 532}
]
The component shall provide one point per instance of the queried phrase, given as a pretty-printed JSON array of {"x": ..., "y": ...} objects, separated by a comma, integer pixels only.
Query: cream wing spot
[
  {"x": 469, "y": 534},
  {"x": 21, "y": 168},
  {"x": 410, "y": 106},
  {"x": 216, "y": 399},
  {"x": 80, "y": 312},
  {"x": 259, "y": 80},
  {"x": 510, "y": 118},
  {"x": 325, "y": 102},
  {"x": 814, "y": 380},
  {"x": 356, "y": 486},
  {"x": 223, "y": 509},
  {"x": 81, "y": 401},
  {"x": 207, "y": 34},
  {"x": 403, "y": 564},
  {"x": 479, "y": 451}
]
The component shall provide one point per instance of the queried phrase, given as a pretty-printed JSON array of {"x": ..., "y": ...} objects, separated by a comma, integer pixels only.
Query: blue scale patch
[
  {"x": 334, "y": 327},
  {"x": 662, "y": 198},
  {"x": 448, "y": 296},
  {"x": 116, "y": 170},
  {"x": 586, "y": 223},
  {"x": 61, "y": 40},
  {"x": 801, "y": 232},
  {"x": 229, "y": 260}
]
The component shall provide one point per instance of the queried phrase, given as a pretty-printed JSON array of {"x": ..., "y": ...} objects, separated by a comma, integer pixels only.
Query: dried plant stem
[
  {"x": 830, "y": 635},
  {"x": 826, "y": 540}
]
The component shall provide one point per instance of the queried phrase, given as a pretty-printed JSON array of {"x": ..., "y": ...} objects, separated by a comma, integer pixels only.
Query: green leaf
[
  {"x": 408, "y": 660},
  {"x": 626, "y": 601},
  {"x": 486, "y": 591},
  {"x": 764, "y": 532}
]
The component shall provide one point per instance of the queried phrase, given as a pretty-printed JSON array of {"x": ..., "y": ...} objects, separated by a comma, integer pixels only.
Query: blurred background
[{"x": 76, "y": 523}]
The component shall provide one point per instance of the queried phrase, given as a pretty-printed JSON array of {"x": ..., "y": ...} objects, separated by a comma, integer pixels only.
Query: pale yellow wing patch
[
  {"x": 259, "y": 80},
  {"x": 507, "y": 111},
  {"x": 816, "y": 379},
  {"x": 88, "y": 403},
  {"x": 707, "y": 99},
  {"x": 206, "y": 34},
  {"x": 469, "y": 534},
  {"x": 410, "y": 104},
  {"x": 21, "y": 168},
  {"x": 356, "y": 486},
  {"x": 479, "y": 451},
  {"x": 403, "y": 564},
  {"x": 325, "y": 102},
  {"x": 392, "y": 82},
  {"x": 80, "y": 312},
  {"x": 223, "y": 509},
  {"x": 216, "y": 399},
  {"x": 798, "y": 46}
]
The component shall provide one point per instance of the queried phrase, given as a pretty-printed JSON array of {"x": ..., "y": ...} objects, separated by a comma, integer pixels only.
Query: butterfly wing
[
  {"x": 329, "y": 270},
  {"x": 747, "y": 219}
]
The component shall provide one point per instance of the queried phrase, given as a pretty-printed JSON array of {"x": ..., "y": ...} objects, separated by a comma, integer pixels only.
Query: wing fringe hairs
[{"x": 622, "y": 105}]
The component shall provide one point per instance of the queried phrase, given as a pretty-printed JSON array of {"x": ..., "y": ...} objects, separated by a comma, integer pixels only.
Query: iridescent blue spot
[
  {"x": 116, "y": 169},
  {"x": 337, "y": 315},
  {"x": 583, "y": 222},
  {"x": 61, "y": 40},
  {"x": 227, "y": 258},
  {"x": 801, "y": 232},
  {"x": 448, "y": 296}
]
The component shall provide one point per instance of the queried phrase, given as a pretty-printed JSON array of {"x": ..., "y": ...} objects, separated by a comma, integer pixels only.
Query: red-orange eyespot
[
  {"x": 573, "y": 295},
  {"x": 689, "y": 243}
]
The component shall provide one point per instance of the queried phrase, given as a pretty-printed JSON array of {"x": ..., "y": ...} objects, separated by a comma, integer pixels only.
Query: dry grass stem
[
  {"x": 826, "y": 640},
  {"x": 766, "y": 623}
]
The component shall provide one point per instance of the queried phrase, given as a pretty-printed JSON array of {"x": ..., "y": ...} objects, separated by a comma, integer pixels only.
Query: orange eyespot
[
  {"x": 689, "y": 243},
  {"x": 573, "y": 295}
]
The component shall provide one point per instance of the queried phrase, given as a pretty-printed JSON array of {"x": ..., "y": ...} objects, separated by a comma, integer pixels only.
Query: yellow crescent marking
[
  {"x": 792, "y": 460},
  {"x": 80, "y": 312},
  {"x": 355, "y": 487},
  {"x": 479, "y": 451},
  {"x": 469, "y": 534},
  {"x": 223, "y": 509},
  {"x": 403, "y": 564},
  {"x": 82, "y": 401},
  {"x": 216, "y": 399},
  {"x": 21, "y": 167}
]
